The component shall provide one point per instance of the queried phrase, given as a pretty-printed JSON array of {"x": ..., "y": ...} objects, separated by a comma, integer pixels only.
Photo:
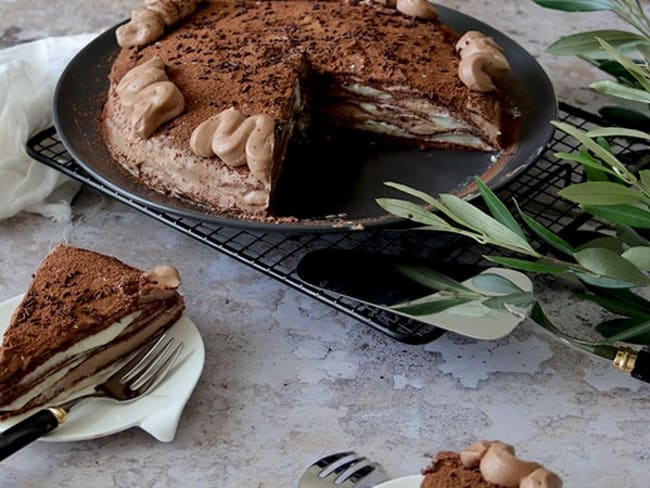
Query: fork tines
[
  {"x": 150, "y": 365},
  {"x": 343, "y": 467}
]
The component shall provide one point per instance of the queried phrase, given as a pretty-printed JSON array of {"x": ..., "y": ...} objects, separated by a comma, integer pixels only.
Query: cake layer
[
  {"x": 82, "y": 371},
  {"x": 396, "y": 111},
  {"x": 359, "y": 65},
  {"x": 55, "y": 368}
]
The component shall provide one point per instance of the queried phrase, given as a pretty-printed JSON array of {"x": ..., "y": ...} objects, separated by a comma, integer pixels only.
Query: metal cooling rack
[{"x": 278, "y": 254}]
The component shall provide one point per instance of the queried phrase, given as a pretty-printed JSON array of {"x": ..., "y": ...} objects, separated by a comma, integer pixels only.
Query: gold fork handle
[{"x": 28, "y": 430}]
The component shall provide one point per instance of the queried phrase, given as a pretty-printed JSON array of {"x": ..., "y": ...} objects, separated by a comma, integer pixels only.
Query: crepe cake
[
  {"x": 486, "y": 464},
  {"x": 309, "y": 64},
  {"x": 83, "y": 311}
]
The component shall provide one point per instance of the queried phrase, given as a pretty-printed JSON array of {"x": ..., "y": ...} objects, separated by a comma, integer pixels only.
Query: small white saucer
[{"x": 156, "y": 413}]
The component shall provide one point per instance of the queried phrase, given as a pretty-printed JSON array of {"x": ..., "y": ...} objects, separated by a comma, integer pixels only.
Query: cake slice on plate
[{"x": 82, "y": 312}]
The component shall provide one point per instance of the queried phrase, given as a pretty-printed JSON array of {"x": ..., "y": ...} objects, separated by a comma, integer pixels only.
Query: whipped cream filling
[
  {"x": 438, "y": 120},
  {"x": 366, "y": 91},
  {"x": 397, "y": 112},
  {"x": 78, "y": 349},
  {"x": 382, "y": 127}
]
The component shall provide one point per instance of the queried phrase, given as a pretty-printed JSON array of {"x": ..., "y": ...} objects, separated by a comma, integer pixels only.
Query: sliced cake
[
  {"x": 82, "y": 312},
  {"x": 250, "y": 72},
  {"x": 486, "y": 464}
]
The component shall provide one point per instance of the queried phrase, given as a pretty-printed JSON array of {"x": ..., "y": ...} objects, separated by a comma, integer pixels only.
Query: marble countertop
[{"x": 288, "y": 379}]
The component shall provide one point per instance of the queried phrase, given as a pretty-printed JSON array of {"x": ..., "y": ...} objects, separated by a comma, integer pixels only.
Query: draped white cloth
[{"x": 28, "y": 76}]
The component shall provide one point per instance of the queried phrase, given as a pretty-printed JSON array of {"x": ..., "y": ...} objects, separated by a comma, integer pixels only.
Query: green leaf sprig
[
  {"x": 609, "y": 267},
  {"x": 612, "y": 193},
  {"x": 629, "y": 10},
  {"x": 624, "y": 55},
  {"x": 490, "y": 290},
  {"x": 500, "y": 228}
]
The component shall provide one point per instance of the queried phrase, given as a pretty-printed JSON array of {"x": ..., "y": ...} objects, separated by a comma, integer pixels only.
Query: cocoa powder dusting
[
  {"x": 446, "y": 471},
  {"x": 71, "y": 297},
  {"x": 250, "y": 54}
]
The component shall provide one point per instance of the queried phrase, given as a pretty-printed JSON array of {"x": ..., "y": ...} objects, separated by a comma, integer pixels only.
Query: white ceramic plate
[
  {"x": 412, "y": 481},
  {"x": 156, "y": 413}
]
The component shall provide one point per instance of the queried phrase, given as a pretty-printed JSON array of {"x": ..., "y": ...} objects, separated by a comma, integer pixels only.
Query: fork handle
[{"x": 28, "y": 430}]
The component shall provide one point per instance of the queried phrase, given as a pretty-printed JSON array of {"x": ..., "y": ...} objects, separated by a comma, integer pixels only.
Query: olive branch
[{"x": 611, "y": 266}]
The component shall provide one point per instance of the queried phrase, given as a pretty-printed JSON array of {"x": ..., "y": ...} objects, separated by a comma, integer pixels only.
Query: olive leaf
[
  {"x": 601, "y": 193},
  {"x": 614, "y": 89},
  {"x": 644, "y": 176},
  {"x": 432, "y": 279},
  {"x": 430, "y": 306},
  {"x": 628, "y": 333},
  {"x": 412, "y": 211},
  {"x": 630, "y": 65},
  {"x": 631, "y": 237},
  {"x": 545, "y": 234},
  {"x": 608, "y": 264},
  {"x": 577, "y": 5},
  {"x": 594, "y": 174},
  {"x": 615, "y": 305},
  {"x": 595, "y": 148},
  {"x": 618, "y": 132},
  {"x": 617, "y": 70},
  {"x": 425, "y": 197},
  {"x": 603, "y": 282},
  {"x": 625, "y": 117},
  {"x": 494, "y": 283},
  {"x": 519, "y": 300},
  {"x": 639, "y": 256},
  {"x": 613, "y": 327},
  {"x": 524, "y": 265},
  {"x": 644, "y": 49},
  {"x": 588, "y": 161},
  {"x": 624, "y": 296},
  {"x": 621, "y": 214},
  {"x": 475, "y": 219},
  {"x": 537, "y": 314},
  {"x": 585, "y": 43},
  {"x": 615, "y": 244},
  {"x": 497, "y": 208}
]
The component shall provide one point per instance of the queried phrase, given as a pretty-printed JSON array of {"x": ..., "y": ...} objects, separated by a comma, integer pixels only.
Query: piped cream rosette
[{"x": 238, "y": 140}]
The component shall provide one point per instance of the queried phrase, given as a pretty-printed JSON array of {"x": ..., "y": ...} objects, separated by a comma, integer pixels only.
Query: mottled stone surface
[{"x": 288, "y": 379}]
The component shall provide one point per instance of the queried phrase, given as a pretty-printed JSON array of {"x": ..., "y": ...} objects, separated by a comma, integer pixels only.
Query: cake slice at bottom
[
  {"x": 486, "y": 464},
  {"x": 82, "y": 312},
  {"x": 447, "y": 471}
]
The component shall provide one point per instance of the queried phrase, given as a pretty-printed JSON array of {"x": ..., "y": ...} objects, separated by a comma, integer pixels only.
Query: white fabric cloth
[{"x": 28, "y": 75}]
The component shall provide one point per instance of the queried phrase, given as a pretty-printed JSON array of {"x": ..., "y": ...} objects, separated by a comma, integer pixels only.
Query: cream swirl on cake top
[
  {"x": 417, "y": 8},
  {"x": 148, "y": 21},
  {"x": 481, "y": 61},
  {"x": 499, "y": 465},
  {"x": 148, "y": 98},
  {"x": 237, "y": 140},
  {"x": 422, "y": 9},
  {"x": 159, "y": 283}
]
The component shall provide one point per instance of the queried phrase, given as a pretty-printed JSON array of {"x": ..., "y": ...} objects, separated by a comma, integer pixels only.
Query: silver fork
[
  {"x": 136, "y": 378},
  {"x": 342, "y": 470}
]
